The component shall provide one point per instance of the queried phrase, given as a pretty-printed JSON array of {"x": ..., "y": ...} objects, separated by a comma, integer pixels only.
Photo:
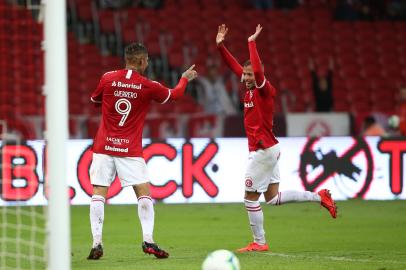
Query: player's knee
[
  {"x": 145, "y": 202},
  {"x": 252, "y": 206},
  {"x": 274, "y": 200}
]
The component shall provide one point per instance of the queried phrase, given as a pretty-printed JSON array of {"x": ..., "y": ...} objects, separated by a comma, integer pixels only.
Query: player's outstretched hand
[
  {"x": 190, "y": 74},
  {"x": 221, "y": 34},
  {"x": 255, "y": 35}
]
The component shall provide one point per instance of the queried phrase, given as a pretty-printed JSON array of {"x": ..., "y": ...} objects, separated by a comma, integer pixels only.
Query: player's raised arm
[
  {"x": 189, "y": 75},
  {"x": 255, "y": 60},
  {"x": 162, "y": 94},
  {"x": 231, "y": 62}
]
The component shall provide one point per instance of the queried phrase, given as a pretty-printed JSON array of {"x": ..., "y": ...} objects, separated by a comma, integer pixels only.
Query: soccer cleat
[
  {"x": 328, "y": 202},
  {"x": 254, "y": 247},
  {"x": 152, "y": 248},
  {"x": 96, "y": 253}
]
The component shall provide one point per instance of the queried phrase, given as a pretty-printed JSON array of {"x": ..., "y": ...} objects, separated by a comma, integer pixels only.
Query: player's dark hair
[
  {"x": 133, "y": 52},
  {"x": 248, "y": 63}
]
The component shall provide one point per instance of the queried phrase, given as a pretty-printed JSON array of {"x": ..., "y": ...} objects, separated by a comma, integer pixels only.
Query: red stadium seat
[
  {"x": 371, "y": 71},
  {"x": 350, "y": 71},
  {"x": 341, "y": 105},
  {"x": 290, "y": 83},
  {"x": 355, "y": 85},
  {"x": 360, "y": 106},
  {"x": 106, "y": 21},
  {"x": 369, "y": 61}
]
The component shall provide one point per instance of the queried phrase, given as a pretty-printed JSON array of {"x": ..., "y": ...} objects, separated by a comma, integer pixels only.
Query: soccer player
[
  {"x": 125, "y": 96},
  {"x": 262, "y": 172}
]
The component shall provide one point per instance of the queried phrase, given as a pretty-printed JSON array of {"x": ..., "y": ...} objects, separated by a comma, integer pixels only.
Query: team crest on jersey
[{"x": 248, "y": 182}]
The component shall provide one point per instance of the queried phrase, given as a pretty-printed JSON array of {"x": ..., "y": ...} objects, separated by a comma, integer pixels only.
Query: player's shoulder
[
  {"x": 151, "y": 83},
  {"x": 269, "y": 85},
  {"x": 267, "y": 89},
  {"x": 266, "y": 84},
  {"x": 112, "y": 74}
]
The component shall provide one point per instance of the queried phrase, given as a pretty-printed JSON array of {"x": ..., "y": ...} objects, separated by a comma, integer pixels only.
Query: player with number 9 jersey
[{"x": 126, "y": 96}]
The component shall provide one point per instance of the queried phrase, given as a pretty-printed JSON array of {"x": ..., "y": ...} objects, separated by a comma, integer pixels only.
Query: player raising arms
[
  {"x": 262, "y": 172},
  {"x": 125, "y": 96}
]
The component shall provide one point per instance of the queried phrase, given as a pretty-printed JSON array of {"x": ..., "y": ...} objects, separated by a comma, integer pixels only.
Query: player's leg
[
  {"x": 133, "y": 172},
  {"x": 146, "y": 215},
  {"x": 254, "y": 186},
  {"x": 102, "y": 173},
  {"x": 256, "y": 219},
  {"x": 274, "y": 197},
  {"x": 146, "y": 212},
  {"x": 97, "y": 220},
  {"x": 255, "y": 216}
]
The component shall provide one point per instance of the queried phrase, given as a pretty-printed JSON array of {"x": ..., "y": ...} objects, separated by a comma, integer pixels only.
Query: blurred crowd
[
  {"x": 347, "y": 9},
  {"x": 370, "y": 10},
  {"x": 218, "y": 92},
  {"x": 378, "y": 124}
]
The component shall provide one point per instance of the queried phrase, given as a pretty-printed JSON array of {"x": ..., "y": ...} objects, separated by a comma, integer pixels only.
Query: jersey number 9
[{"x": 125, "y": 111}]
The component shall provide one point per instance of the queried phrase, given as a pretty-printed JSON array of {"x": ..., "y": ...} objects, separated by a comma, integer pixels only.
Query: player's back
[{"x": 125, "y": 96}]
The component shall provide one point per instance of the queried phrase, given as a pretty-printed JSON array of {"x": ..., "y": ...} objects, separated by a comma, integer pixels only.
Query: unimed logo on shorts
[{"x": 116, "y": 149}]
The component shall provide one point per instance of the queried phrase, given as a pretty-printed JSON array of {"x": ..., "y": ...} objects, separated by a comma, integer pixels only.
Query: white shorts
[
  {"x": 262, "y": 169},
  {"x": 130, "y": 170}
]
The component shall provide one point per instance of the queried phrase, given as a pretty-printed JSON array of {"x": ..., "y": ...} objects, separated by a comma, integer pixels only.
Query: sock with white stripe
[
  {"x": 256, "y": 217},
  {"x": 146, "y": 215},
  {"x": 97, "y": 218},
  {"x": 294, "y": 196}
]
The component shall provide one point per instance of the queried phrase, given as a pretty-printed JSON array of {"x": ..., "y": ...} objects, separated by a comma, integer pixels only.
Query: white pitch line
[{"x": 331, "y": 258}]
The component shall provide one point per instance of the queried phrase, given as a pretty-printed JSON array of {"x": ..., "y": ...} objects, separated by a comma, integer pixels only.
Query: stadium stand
[{"x": 369, "y": 55}]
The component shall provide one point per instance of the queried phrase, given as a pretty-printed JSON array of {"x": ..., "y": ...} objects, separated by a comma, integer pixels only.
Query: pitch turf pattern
[{"x": 366, "y": 235}]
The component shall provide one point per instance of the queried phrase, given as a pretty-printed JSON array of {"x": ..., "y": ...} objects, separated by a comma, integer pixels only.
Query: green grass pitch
[{"x": 366, "y": 235}]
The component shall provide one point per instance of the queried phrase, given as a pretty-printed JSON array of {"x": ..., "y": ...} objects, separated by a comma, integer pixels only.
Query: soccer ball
[
  {"x": 221, "y": 260},
  {"x": 393, "y": 121}
]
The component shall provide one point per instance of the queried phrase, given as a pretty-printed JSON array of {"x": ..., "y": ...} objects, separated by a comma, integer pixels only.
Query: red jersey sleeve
[
  {"x": 260, "y": 80},
  {"x": 231, "y": 62},
  {"x": 97, "y": 94},
  {"x": 256, "y": 65},
  {"x": 158, "y": 92},
  {"x": 162, "y": 94}
]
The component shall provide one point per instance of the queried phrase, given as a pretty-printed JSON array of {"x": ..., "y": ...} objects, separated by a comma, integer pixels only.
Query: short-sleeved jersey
[
  {"x": 258, "y": 116},
  {"x": 125, "y": 96}
]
